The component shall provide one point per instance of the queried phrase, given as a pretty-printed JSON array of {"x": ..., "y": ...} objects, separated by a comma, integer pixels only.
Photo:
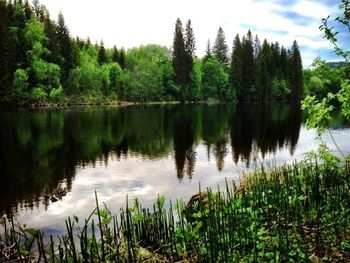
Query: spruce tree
[
  {"x": 263, "y": 75},
  {"x": 295, "y": 71},
  {"x": 236, "y": 67},
  {"x": 66, "y": 50},
  {"x": 52, "y": 41},
  {"x": 115, "y": 54},
  {"x": 220, "y": 48},
  {"x": 283, "y": 62},
  {"x": 188, "y": 66},
  {"x": 257, "y": 47},
  {"x": 101, "y": 57},
  {"x": 276, "y": 51},
  {"x": 190, "y": 42},
  {"x": 179, "y": 58},
  {"x": 208, "y": 53},
  {"x": 121, "y": 58},
  {"x": 248, "y": 70}
]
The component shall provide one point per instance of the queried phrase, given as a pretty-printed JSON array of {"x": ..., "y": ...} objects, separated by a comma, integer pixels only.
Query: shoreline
[{"x": 108, "y": 103}]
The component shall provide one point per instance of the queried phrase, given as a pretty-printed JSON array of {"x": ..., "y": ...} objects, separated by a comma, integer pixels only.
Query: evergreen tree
[
  {"x": 276, "y": 57},
  {"x": 220, "y": 48},
  {"x": 121, "y": 58},
  {"x": 28, "y": 10},
  {"x": 257, "y": 47},
  {"x": 295, "y": 71},
  {"x": 208, "y": 53},
  {"x": 115, "y": 54},
  {"x": 5, "y": 73},
  {"x": 263, "y": 76},
  {"x": 283, "y": 63},
  {"x": 68, "y": 62},
  {"x": 101, "y": 57},
  {"x": 190, "y": 42},
  {"x": 188, "y": 66},
  {"x": 52, "y": 42},
  {"x": 179, "y": 58},
  {"x": 248, "y": 69},
  {"x": 236, "y": 67}
]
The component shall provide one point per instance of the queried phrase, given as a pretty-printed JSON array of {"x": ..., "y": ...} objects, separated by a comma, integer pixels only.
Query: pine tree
[
  {"x": 188, "y": 66},
  {"x": 208, "y": 53},
  {"x": 283, "y": 62},
  {"x": 179, "y": 58},
  {"x": 66, "y": 50},
  {"x": 263, "y": 76},
  {"x": 52, "y": 41},
  {"x": 295, "y": 71},
  {"x": 257, "y": 47},
  {"x": 276, "y": 57},
  {"x": 190, "y": 42},
  {"x": 220, "y": 48},
  {"x": 27, "y": 10},
  {"x": 101, "y": 57},
  {"x": 237, "y": 67},
  {"x": 248, "y": 71},
  {"x": 121, "y": 58},
  {"x": 115, "y": 54}
]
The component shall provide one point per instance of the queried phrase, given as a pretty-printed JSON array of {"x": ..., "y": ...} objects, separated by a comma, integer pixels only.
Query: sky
[{"x": 131, "y": 23}]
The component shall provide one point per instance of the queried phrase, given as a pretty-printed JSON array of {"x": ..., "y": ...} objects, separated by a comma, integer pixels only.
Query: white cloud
[
  {"x": 311, "y": 9},
  {"x": 136, "y": 22}
]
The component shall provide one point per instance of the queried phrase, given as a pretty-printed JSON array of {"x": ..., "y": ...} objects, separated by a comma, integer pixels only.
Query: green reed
[{"x": 294, "y": 213}]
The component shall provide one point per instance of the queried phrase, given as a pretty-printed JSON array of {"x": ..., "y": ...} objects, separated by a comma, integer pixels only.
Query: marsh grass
[{"x": 294, "y": 213}]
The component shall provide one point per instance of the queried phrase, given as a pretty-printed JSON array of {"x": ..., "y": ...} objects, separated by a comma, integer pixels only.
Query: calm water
[{"x": 140, "y": 151}]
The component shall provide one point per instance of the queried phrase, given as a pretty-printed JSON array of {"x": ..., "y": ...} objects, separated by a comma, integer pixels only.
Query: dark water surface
[{"x": 140, "y": 151}]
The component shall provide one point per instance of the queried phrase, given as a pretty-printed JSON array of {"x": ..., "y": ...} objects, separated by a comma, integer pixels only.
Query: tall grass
[{"x": 294, "y": 213}]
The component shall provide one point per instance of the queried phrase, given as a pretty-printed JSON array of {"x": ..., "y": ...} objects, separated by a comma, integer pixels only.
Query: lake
[{"x": 140, "y": 151}]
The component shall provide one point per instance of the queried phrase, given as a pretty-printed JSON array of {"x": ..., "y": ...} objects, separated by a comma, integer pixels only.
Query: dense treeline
[
  {"x": 324, "y": 77},
  {"x": 41, "y": 62}
]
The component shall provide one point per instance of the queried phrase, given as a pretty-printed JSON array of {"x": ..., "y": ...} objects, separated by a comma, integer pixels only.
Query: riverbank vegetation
[
  {"x": 294, "y": 213},
  {"x": 42, "y": 63}
]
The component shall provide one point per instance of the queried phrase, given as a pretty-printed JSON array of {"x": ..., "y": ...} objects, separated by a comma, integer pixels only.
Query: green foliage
[
  {"x": 102, "y": 57},
  {"x": 323, "y": 79},
  {"x": 20, "y": 83},
  {"x": 87, "y": 78},
  {"x": 115, "y": 73},
  {"x": 316, "y": 85},
  {"x": 194, "y": 92},
  {"x": 280, "y": 89},
  {"x": 34, "y": 33},
  {"x": 215, "y": 81},
  {"x": 37, "y": 94},
  {"x": 56, "y": 93},
  {"x": 146, "y": 83},
  {"x": 344, "y": 98},
  {"x": 319, "y": 112},
  {"x": 32, "y": 41}
]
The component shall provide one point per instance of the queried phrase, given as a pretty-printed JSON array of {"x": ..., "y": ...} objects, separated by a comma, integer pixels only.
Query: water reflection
[{"x": 43, "y": 149}]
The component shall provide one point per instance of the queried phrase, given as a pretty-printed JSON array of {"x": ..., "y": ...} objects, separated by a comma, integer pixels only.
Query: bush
[
  {"x": 38, "y": 94},
  {"x": 55, "y": 94}
]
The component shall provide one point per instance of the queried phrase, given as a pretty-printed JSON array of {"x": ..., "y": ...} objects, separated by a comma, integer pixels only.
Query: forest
[{"x": 41, "y": 62}]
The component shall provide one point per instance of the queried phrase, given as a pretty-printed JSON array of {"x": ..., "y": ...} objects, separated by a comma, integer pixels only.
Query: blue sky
[{"x": 130, "y": 23}]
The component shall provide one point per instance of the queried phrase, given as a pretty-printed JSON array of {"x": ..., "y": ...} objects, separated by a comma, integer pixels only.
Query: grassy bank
[{"x": 294, "y": 213}]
